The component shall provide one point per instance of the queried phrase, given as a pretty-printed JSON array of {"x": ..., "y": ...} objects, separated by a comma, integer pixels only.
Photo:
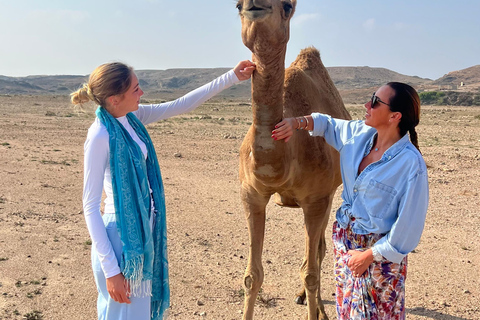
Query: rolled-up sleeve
[
  {"x": 335, "y": 131},
  {"x": 407, "y": 229}
]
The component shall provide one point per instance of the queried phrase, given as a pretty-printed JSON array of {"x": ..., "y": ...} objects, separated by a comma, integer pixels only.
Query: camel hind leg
[
  {"x": 316, "y": 219},
  {"x": 254, "y": 205}
]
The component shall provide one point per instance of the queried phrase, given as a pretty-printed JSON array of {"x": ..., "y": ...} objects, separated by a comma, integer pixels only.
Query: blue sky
[{"x": 425, "y": 38}]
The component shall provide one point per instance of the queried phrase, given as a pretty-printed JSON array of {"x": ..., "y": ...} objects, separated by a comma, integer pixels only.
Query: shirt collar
[
  {"x": 397, "y": 147},
  {"x": 394, "y": 149}
]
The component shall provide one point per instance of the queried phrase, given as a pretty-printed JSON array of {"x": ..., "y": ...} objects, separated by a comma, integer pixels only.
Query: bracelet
[
  {"x": 306, "y": 119},
  {"x": 299, "y": 121},
  {"x": 377, "y": 256}
]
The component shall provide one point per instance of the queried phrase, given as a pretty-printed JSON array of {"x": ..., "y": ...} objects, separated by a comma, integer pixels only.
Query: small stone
[
  {"x": 466, "y": 291},
  {"x": 200, "y": 303},
  {"x": 177, "y": 155}
]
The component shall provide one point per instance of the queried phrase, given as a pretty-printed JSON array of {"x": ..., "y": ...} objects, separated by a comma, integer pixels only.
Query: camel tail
[{"x": 308, "y": 59}]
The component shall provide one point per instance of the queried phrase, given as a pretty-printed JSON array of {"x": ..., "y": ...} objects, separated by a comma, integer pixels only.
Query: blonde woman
[{"x": 129, "y": 249}]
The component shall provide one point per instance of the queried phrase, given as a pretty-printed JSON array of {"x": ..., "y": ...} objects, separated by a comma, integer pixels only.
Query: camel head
[{"x": 266, "y": 24}]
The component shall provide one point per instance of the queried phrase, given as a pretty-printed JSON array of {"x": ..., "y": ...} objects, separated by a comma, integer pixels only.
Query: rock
[{"x": 177, "y": 155}]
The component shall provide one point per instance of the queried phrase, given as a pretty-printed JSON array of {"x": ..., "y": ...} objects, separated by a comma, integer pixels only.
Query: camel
[{"x": 301, "y": 173}]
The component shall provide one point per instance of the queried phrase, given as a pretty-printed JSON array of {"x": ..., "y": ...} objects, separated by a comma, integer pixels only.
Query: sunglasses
[{"x": 376, "y": 99}]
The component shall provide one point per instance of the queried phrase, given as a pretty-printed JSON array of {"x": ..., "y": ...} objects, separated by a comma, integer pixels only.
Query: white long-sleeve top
[{"x": 97, "y": 175}]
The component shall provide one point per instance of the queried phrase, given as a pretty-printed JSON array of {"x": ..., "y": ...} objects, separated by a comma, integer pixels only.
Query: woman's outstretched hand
[
  {"x": 284, "y": 129},
  {"x": 118, "y": 288},
  {"x": 244, "y": 69}
]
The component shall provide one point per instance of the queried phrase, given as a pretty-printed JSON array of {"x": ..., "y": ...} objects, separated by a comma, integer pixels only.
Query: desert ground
[{"x": 45, "y": 268}]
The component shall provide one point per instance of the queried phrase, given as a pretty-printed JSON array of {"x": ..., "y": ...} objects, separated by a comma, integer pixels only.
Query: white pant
[{"x": 107, "y": 308}]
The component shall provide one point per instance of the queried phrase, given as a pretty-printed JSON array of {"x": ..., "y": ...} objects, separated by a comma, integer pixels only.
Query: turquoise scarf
[{"x": 144, "y": 255}]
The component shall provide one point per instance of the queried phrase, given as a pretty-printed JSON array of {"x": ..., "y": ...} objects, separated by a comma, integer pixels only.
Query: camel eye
[
  {"x": 287, "y": 7},
  {"x": 239, "y": 6}
]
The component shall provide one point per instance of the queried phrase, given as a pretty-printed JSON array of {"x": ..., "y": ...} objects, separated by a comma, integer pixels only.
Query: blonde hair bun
[{"x": 82, "y": 95}]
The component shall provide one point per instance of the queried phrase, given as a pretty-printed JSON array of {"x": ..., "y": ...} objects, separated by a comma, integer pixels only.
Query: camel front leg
[
  {"x": 316, "y": 219},
  {"x": 254, "y": 205}
]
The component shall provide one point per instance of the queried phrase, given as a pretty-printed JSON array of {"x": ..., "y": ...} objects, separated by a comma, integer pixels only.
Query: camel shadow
[{"x": 420, "y": 311}]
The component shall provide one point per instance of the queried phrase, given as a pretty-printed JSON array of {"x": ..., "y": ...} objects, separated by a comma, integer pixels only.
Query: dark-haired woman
[
  {"x": 385, "y": 199},
  {"x": 129, "y": 252}
]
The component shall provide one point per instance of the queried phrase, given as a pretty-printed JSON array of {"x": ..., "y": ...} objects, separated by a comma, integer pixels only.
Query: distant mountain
[
  {"x": 40, "y": 84},
  {"x": 469, "y": 77},
  {"x": 354, "y": 83},
  {"x": 349, "y": 78}
]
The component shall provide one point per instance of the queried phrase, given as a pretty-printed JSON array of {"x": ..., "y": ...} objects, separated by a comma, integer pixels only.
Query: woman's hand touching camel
[{"x": 244, "y": 69}]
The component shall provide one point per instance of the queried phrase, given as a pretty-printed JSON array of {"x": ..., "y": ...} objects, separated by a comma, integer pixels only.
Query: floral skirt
[{"x": 378, "y": 294}]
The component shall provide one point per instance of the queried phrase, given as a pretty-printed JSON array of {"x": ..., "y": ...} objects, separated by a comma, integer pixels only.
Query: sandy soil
[{"x": 45, "y": 249}]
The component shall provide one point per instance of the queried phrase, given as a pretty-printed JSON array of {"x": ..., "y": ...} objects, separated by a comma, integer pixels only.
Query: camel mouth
[
  {"x": 256, "y": 9},
  {"x": 255, "y": 13}
]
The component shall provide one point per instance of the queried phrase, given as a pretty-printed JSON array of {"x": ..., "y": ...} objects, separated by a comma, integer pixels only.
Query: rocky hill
[
  {"x": 469, "y": 78},
  {"x": 348, "y": 78},
  {"x": 354, "y": 83}
]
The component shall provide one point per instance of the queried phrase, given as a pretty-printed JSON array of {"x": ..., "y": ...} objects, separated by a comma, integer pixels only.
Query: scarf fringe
[{"x": 134, "y": 277}]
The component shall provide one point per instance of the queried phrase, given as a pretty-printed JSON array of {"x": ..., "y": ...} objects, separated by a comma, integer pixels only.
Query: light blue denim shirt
[{"x": 389, "y": 196}]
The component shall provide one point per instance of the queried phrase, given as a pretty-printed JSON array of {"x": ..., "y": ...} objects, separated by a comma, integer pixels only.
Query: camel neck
[{"x": 267, "y": 90}]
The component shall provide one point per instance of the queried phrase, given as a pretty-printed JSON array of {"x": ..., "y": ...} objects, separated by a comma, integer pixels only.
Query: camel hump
[{"x": 308, "y": 59}]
